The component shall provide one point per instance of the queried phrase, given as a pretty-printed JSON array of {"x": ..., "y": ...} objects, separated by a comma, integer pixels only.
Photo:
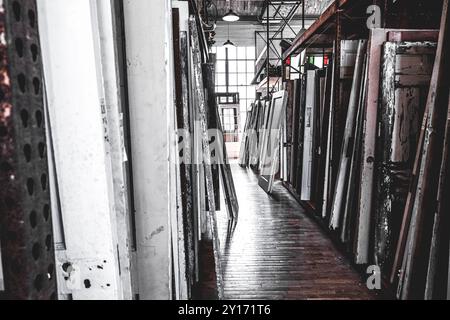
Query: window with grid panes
[{"x": 235, "y": 71}]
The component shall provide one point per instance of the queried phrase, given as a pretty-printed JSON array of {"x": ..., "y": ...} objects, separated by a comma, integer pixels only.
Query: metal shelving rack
[{"x": 280, "y": 13}]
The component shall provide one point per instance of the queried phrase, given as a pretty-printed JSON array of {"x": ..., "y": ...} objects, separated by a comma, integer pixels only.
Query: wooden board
[
  {"x": 209, "y": 72},
  {"x": 301, "y": 134},
  {"x": 343, "y": 172},
  {"x": 329, "y": 149},
  {"x": 350, "y": 210},
  {"x": 365, "y": 201},
  {"x": 406, "y": 74},
  {"x": 182, "y": 234},
  {"x": 414, "y": 265},
  {"x": 295, "y": 133},
  {"x": 438, "y": 263},
  {"x": 309, "y": 133}
]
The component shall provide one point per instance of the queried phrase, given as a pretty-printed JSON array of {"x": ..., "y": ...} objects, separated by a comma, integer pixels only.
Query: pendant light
[
  {"x": 230, "y": 16},
  {"x": 228, "y": 44}
]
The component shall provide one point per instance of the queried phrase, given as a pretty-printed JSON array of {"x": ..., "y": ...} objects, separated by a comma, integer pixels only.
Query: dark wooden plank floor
[{"x": 278, "y": 252}]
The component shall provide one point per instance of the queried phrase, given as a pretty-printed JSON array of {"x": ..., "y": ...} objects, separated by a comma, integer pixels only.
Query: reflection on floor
[{"x": 277, "y": 252}]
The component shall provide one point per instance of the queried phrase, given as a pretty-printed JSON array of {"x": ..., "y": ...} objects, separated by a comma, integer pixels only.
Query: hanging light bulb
[
  {"x": 231, "y": 16},
  {"x": 228, "y": 44}
]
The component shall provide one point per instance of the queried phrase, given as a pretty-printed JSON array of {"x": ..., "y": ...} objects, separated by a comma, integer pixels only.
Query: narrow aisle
[{"x": 278, "y": 252}]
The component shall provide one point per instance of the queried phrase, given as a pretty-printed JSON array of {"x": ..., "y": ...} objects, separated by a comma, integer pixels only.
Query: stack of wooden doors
[{"x": 369, "y": 153}]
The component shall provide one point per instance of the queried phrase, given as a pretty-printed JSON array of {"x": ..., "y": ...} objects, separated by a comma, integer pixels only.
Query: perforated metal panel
[{"x": 25, "y": 218}]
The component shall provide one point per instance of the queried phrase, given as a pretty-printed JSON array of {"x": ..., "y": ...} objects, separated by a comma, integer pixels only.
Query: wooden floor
[{"x": 277, "y": 252}]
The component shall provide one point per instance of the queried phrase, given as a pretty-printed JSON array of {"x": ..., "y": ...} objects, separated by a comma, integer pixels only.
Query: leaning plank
[
  {"x": 377, "y": 38},
  {"x": 323, "y": 140},
  {"x": 403, "y": 236},
  {"x": 209, "y": 71},
  {"x": 295, "y": 115},
  {"x": 199, "y": 91},
  {"x": 187, "y": 125},
  {"x": 309, "y": 132},
  {"x": 301, "y": 134},
  {"x": 329, "y": 147},
  {"x": 406, "y": 74},
  {"x": 343, "y": 173},
  {"x": 426, "y": 188},
  {"x": 179, "y": 237},
  {"x": 355, "y": 166},
  {"x": 441, "y": 217},
  {"x": 401, "y": 243}
]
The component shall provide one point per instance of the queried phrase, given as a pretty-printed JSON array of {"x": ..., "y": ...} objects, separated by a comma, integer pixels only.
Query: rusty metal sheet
[{"x": 25, "y": 219}]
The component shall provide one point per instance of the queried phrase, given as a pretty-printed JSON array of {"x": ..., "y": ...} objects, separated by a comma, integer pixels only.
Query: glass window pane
[
  {"x": 241, "y": 66},
  {"x": 221, "y": 89},
  {"x": 243, "y": 106},
  {"x": 220, "y": 66},
  {"x": 242, "y": 92},
  {"x": 232, "y": 53},
  {"x": 221, "y": 53},
  {"x": 213, "y": 49},
  {"x": 250, "y": 66},
  {"x": 251, "y": 94},
  {"x": 242, "y": 79},
  {"x": 251, "y": 53},
  {"x": 232, "y": 89},
  {"x": 232, "y": 66},
  {"x": 232, "y": 79},
  {"x": 221, "y": 79},
  {"x": 250, "y": 77},
  {"x": 241, "y": 53}
]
